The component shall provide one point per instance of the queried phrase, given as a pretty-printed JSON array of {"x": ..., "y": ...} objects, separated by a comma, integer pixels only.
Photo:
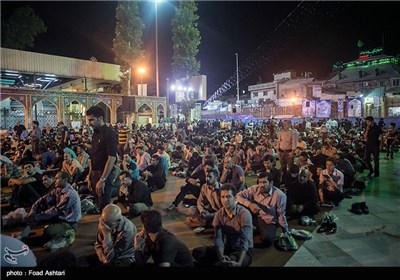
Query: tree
[
  {"x": 21, "y": 29},
  {"x": 185, "y": 39},
  {"x": 127, "y": 44},
  {"x": 186, "y": 105}
]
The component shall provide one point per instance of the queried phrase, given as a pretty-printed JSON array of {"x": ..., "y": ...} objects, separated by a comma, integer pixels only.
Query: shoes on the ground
[
  {"x": 355, "y": 208},
  {"x": 364, "y": 208},
  {"x": 307, "y": 221},
  {"x": 199, "y": 229},
  {"x": 323, "y": 227},
  {"x": 376, "y": 175},
  {"x": 370, "y": 174},
  {"x": 332, "y": 227}
]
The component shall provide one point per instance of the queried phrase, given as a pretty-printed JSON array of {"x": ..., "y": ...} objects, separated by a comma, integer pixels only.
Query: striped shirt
[{"x": 122, "y": 135}]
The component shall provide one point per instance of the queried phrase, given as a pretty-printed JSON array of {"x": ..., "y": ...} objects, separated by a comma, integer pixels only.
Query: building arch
[
  {"x": 160, "y": 112},
  {"x": 11, "y": 111},
  {"x": 106, "y": 109},
  {"x": 145, "y": 114},
  {"x": 120, "y": 114},
  {"x": 45, "y": 112},
  {"x": 74, "y": 113}
]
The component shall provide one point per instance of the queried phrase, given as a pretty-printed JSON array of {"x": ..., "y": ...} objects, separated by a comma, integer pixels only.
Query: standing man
[
  {"x": 18, "y": 129},
  {"x": 123, "y": 135},
  {"x": 35, "y": 135},
  {"x": 233, "y": 236},
  {"x": 372, "y": 136},
  {"x": 103, "y": 156},
  {"x": 267, "y": 203},
  {"x": 63, "y": 134},
  {"x": 390, "y": 139},
  {"x": 286, "y": 146}
]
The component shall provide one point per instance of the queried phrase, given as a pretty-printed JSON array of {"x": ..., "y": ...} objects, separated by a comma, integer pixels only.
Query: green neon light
[
  {"x": 7, "y": 82},
  {"x": 370, "y": 63},
  {"x": 375, "y": 51}
]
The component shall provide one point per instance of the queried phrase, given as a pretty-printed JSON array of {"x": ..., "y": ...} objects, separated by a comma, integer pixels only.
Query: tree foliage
[
  {"x": 21, "y": 29},
  {"x": 127, "y": 44},
  {"x": 185, "y": 39},
  {"x": 186, "y": 105}
]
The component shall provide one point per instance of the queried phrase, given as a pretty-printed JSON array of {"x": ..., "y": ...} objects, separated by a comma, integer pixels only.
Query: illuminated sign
[
  {"x": 372, "y": 63},
  {"x": 369, "y": 53}
]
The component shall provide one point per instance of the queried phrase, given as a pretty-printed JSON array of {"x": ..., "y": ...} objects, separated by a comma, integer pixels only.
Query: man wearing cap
[{"x": 373, "y": 139}]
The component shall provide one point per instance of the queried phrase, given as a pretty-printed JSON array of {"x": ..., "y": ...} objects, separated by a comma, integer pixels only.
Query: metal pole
[
  {"x": 237, "y": 76},
  {"x": 157, "y": 81},
  {"x": 141, "y": 84},
  {"x": 129, "y": 81},
  {"x": 167, "y": 98}
]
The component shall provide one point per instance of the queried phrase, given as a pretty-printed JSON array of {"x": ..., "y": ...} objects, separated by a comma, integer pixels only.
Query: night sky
[{"x": 312, "y": 38}]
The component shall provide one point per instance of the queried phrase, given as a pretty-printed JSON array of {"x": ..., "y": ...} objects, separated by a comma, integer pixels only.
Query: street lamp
[{"x": 141, "y": 71}]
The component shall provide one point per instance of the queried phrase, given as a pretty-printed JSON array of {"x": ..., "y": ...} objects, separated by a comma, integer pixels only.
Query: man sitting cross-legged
[
  {"x": 233, "y": 238},
  {"x": 60, "y": 209},
  {"x": 208, "y": 202},
  {"x": 133, "y": 194},
  {"x": 267, "y": 203}
]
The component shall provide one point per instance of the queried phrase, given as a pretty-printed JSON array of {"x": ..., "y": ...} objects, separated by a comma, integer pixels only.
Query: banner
[
  {"x": 354, "y": 107},
  {"x": 340, "y": 106},
  {"x": 323, "y": 108},
  {"x": 308, "y": 108}
]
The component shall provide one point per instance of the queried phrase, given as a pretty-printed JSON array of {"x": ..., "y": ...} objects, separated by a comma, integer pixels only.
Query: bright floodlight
[{"x": 142, "y": 70}]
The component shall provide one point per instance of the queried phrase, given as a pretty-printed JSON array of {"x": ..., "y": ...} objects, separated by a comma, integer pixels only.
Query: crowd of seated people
[{"x": 208, "y": 154}]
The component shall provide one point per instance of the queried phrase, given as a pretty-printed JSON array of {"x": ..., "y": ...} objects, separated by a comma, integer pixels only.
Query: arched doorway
[
  {"x": 75, "y": 114},
  {"x": 120, "y": 114},
  {"x": 107, "y": 111},
  {"x": 160, "y": 113},
  {"x": 145, "y": 115},
  {"x": 45, "y": 112},
  {"x": 11, "y": 111}
]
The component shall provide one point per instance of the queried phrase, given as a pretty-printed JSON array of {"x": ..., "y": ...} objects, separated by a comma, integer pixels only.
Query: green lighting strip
[
  {"x": 370, "y": 63},
  {"x": 6, "y": 82}
]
